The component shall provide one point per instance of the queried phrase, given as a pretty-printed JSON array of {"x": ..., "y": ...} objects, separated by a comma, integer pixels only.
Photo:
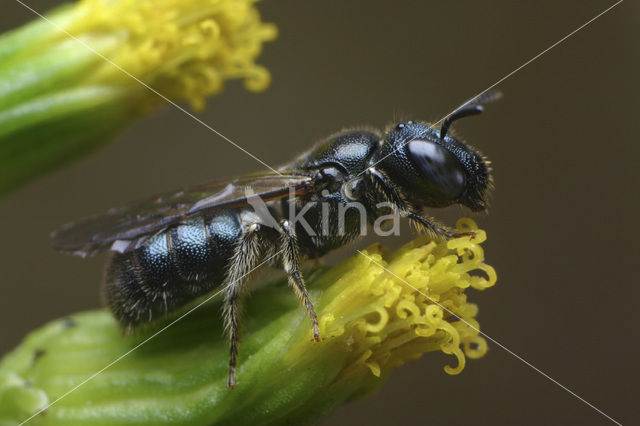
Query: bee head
[{"x": 434, "y": 169}]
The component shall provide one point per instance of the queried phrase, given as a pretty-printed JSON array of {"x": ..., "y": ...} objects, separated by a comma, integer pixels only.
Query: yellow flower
[
  {"x": 376, "y": 313},
  {"x": 389, "y": 311},
  {"x": 184, "y": 49},
  {"x": 70, "y": 82}
]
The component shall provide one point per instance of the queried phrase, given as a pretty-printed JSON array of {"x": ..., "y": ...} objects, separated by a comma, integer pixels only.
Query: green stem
[
  {"x": 179, "y": 376},
  {"x": 39, "y": 135}
]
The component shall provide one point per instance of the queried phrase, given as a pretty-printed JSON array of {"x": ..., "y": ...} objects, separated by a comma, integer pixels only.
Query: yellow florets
[
  {"x": 389, "y": 311},
  {"x": 184, "y": 49}
]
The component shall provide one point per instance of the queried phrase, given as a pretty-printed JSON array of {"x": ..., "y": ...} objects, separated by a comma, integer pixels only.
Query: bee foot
[{"x": 316, "y": 331}]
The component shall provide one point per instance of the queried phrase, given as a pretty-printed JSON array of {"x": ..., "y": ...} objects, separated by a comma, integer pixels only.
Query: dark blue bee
[{"x": 174, "y": 248}]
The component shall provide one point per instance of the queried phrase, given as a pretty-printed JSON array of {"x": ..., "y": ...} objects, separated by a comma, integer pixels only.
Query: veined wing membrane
[{"x": 138, "y": 222}]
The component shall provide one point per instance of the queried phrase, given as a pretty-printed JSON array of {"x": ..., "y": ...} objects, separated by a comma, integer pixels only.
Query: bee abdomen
[{"x": 171, "y": 268}]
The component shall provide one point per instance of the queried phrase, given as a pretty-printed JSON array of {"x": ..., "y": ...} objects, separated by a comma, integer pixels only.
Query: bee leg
[
  {"x": 291, "y": 264},
  {"x": 435, "y": 228},
  {"x": 246, "y": 256}
]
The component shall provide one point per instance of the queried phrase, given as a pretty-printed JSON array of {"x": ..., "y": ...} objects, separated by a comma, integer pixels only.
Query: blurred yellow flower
[
  {"x": 66, "y": 82},
  {"x": 184, "y": 49}
]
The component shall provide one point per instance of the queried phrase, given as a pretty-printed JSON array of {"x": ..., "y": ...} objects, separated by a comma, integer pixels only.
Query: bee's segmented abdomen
[{"x": 171, "y": 268}]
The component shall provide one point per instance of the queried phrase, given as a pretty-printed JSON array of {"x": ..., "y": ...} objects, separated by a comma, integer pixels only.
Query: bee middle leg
[{"x": 290, "y": 260}]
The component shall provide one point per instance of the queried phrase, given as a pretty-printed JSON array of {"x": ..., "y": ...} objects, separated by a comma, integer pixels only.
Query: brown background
[{"x": 562, "y": 229}]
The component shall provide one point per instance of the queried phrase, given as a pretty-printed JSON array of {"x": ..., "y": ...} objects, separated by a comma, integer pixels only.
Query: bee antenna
[
  {"x": 463, "y": 111},
  {"x": 473, "y": 107}
]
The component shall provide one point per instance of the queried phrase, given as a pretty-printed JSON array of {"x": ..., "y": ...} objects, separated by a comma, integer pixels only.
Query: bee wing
[{"x": 132, "y": 225}]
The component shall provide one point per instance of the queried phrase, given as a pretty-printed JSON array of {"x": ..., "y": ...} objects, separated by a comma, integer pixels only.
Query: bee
[{"x": 173, "y": 248}]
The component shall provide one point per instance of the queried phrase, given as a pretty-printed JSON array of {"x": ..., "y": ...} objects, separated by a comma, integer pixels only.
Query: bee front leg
[
  {"x": 246, "y": 257},
  {"x": 290, "y": 260},
  {"x": 435, "y": 228}
]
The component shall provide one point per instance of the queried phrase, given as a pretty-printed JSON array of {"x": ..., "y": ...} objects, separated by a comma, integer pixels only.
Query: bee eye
[{"x": 442, "y": 170}]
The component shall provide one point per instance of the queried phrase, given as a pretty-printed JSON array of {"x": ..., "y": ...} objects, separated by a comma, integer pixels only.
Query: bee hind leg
[
  {"x": 290, "y": 260},
  {"x": 246, "y": 257}
]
